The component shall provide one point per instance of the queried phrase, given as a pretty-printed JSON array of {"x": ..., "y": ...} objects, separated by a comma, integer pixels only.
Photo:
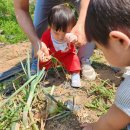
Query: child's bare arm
[{"x": 115, "y": 119}]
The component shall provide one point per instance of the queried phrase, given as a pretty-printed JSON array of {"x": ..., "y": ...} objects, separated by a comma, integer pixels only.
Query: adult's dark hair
[
  {"x": 61, "y": 16},
  {"x": 103, "y": 16}
]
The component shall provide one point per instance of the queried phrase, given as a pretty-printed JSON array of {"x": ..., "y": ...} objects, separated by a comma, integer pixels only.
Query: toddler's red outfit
[{"x": 68, "y": 59}]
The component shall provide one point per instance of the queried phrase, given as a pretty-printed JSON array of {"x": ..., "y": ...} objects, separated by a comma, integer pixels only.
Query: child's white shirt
[{"x": 59, "y": 46}]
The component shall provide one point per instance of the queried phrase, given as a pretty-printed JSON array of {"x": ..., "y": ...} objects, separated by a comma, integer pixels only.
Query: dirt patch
[{"x": 9, "y": 57}]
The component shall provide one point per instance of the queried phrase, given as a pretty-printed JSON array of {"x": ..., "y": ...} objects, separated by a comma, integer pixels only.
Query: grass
[
  {"x": 104, "y": 94},
  {"x": 28, "y": 99},
  {"x": 10, "y": 32},
  {"x": 31, "y": 98}
]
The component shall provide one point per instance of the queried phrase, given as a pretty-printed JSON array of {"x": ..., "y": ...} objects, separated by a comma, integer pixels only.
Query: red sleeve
[
  {"x": 72, "y": 47},
  {"x": 46, "y": 37}
]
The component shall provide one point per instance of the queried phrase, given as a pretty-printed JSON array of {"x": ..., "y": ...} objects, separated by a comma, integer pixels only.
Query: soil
[{"x": 9, "y": 57}]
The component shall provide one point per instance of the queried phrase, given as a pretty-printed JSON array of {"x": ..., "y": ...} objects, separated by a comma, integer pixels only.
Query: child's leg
[
  {"x": 75, "y": 80},
  {"x": 71, "y": 63},
  {"x": 115, "y": 119}
]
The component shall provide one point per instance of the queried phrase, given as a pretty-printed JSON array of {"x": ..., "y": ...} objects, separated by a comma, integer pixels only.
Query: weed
[
  {"x": 104, "y": 93},
  {"x": 10, "y": 32}
]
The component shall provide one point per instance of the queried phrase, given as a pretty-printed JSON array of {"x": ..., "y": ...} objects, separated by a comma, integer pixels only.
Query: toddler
[{"x": 61, "y": 20}]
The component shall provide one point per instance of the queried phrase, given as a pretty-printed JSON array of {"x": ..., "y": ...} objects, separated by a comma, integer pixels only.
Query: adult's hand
[
  {"x": 79, "y": 28},
  {"x": 79, "y": 31}
]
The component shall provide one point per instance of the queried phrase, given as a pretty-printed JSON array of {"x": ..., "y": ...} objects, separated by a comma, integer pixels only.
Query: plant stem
[{"x": 22, "y": 87}]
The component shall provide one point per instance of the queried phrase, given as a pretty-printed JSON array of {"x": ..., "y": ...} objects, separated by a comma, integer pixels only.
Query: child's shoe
[
  {"x": 88, "y": 73},
  {"x": 75, "y": 80}
]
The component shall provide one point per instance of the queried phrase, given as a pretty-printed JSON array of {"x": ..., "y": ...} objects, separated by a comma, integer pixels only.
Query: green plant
[
  {"x": 18, "y": 107},
  {"x": 10, "y": 32},
  {"x": 104, "y": 94}
]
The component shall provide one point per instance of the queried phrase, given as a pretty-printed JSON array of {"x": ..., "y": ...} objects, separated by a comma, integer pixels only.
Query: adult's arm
[
  {"x": 79, "y": 28},
  {"x": 24, "y": 19}
]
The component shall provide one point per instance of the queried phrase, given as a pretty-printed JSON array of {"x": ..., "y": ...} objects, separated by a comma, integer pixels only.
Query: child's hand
[
  {"x": 42, "y": 57},
  {"x": 43, "y": 53},
  {"x": 70, "y": 37}
]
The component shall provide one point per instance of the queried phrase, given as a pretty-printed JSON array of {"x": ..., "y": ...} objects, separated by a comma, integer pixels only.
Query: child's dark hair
[
  {"x": 61, "y": 16},
  {"x": 104, "y": 16}
]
